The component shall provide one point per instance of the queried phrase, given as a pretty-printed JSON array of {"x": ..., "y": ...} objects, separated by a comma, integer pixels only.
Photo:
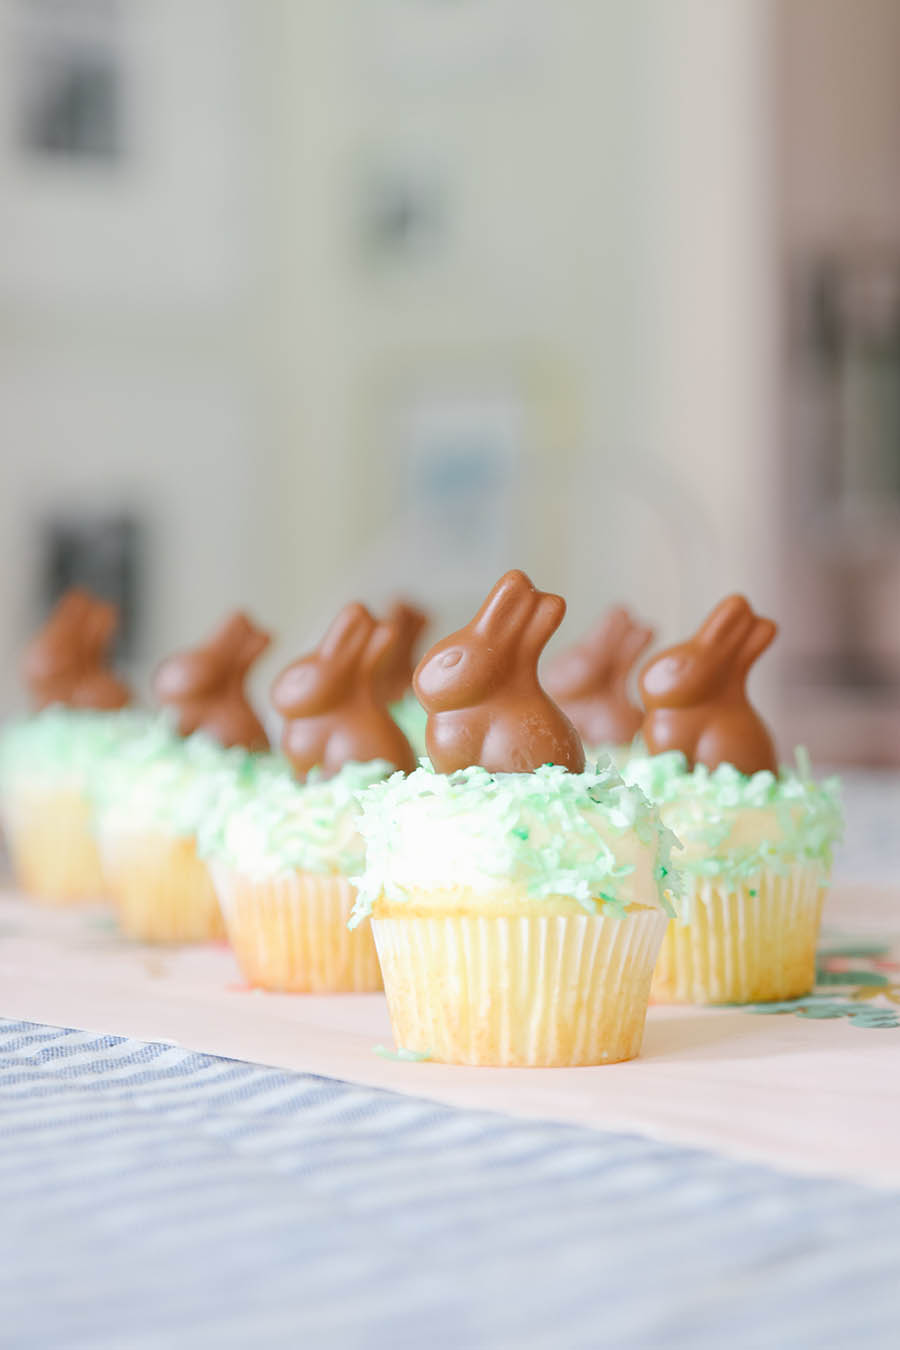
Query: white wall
[
  {"x": 605, "y": 259},
  {"x": 611, "y": 251}
]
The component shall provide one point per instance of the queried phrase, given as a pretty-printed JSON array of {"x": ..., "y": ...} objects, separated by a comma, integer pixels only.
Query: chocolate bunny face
[
  {"x": 66, "y": 661},
  {"x": 206, "y": 685},
  {"x": 407, "y": 623},
  {"x": 333, "y": 700},
  {"x": 695, "y": 692},
  {"x": 481, "y": 691},
  {"x": 590, "y": 681}
]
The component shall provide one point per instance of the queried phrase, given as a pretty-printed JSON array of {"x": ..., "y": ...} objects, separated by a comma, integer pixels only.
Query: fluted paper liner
[
  {"x": 161, "y": 889},
  {"x": 52, "y": 846},
  {"x": 290, "y": 933},
  {"x": 530, "y": 990},
  {"x": 751, "y": 944}
]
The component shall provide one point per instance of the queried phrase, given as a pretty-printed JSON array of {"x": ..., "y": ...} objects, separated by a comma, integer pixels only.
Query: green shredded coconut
[
  {"x": 160, "y": 780},
  {"x": 64, "y": 747},
  {"x": 550, "y": 832},
  {"x": 269, "y": 824},
  {"x": 736, "y": 826}
]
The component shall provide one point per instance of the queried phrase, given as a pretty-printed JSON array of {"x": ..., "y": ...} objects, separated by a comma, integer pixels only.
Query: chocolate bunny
[
  {"x": 590, "y": 681},
  {"x": 695, "y": 693},
  {"x": 333, "y": 699},
  {"x": 206, "y": 684},
  {"x": 481, "y": 691},
  {"x": 396, "y": 668},
  {"x": 66, "y": 661}
]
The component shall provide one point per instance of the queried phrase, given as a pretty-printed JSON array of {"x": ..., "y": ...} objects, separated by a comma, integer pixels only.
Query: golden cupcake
[
  {"x": 284, "y": 846},
  {"x": 48, "y": 760},
  {"x": 518, "y": 901},
  {"x": 154, "y": 797},
  {"x": 757, "y": 840}
]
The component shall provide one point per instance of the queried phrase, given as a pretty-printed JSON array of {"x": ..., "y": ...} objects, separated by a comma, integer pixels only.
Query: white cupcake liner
[
  {"x": 748, "y": 944},
  {"x": 290, "y": 933},
  {"x": 555, "y": 990},
  {"x": 52, "y": 846},
  {"x": 161, "y": 890}
]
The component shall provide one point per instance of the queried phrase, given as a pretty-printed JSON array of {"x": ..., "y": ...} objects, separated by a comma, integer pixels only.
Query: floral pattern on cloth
[{"x": 855, "y": 979}]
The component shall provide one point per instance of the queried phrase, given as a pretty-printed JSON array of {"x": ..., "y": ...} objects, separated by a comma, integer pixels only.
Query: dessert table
[{"x": 189, "y": 1163}]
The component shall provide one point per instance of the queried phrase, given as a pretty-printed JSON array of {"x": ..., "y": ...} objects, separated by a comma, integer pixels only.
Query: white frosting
[{"x": 533, "y": 837}]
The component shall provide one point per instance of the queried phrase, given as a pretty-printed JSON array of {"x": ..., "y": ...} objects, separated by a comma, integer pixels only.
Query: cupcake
[
  {"x": 154, "y": 796},
  {"x": 590, "y": 682},
  {"x": 282, "y": 854},
  {"x": 283, "y": 850},
  {"x": 518, "y": 901},
  {"x": 48, "y": 760},
  {"x": 756, "y": 841},
  {"x": 150, "y": 801}
]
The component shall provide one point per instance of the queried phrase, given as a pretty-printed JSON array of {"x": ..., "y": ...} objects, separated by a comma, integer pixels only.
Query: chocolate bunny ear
[
  {"x": 725, "y": 630},
  {"x": 99, "y": 627},
  {"x": 395, "y": 672},
  {"x": 72, "y": 609},
  {"x": 347, "y": 636},
  {"x": 241, "y": 641},
  {"x": 378, "y": 653},
  {"x": 206, "y": 669},
  {"x": 634, "y": 642},
  {"x": 507, "y": 608},
  {"x": 603, "y": 646},
  {"x": 409, "y": 618},
  {"x": 546, "y": 616},
  {"x": 761, "y": 636},
  {"x": 609, "y": 631},
  {"x": 57, "y": 644}
]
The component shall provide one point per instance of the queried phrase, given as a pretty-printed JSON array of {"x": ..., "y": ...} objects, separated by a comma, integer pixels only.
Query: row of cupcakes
[{"x": 514, "y": 901}]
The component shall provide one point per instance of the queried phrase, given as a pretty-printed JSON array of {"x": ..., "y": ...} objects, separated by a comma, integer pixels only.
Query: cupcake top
[
  {"x": 64, "y": 747},
  {"x": 547, "y": 833},
  {"x": 158, "y": 779},
  {"x": 733, "y": 824},
  {"x": 266, "y": 824}
]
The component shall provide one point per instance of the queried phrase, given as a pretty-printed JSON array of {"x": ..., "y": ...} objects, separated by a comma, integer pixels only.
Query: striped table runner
[{"x": 153, "y": 1197}]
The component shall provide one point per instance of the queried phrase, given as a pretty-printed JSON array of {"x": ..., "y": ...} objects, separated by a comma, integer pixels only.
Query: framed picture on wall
[
  {"x": 125, "y": 162},
  {"x": 69, "y": 88}
]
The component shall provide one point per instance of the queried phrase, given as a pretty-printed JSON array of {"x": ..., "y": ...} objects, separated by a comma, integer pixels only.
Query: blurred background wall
[{"x": 300, "y": 301}]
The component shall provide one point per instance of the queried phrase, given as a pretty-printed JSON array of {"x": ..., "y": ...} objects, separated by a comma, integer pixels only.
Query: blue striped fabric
[{"x": 151, "y": 1197}]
